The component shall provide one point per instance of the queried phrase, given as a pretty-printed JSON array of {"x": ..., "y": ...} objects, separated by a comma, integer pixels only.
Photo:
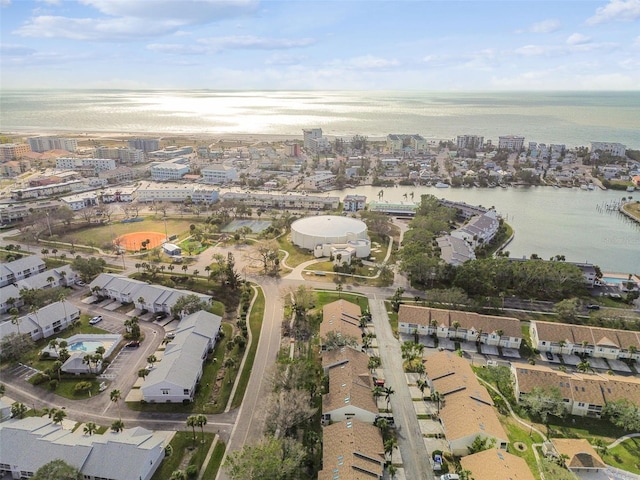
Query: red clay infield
[{"x": 133, "y": 241}]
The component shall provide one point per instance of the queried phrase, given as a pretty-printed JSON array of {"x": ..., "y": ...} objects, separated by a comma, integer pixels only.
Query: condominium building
[
  {"x": 170, "y": 152},
  {"x": 292, "y": 150},
  {"x": 173, "y": 169},
  {"x": 284, "y": 201},
  {"x": 97, "y": 165},
  {"x": 397, "y": 143},
  {"x": 11, "y": 151},
  {"x": 145, "y": 144},
  {"x": 471, "y": 142},
  {"x": 353, "y": 203},
  {"x": 513, "y": 143},
  {"x": 309, "y": 136},
  {"x": 176, "y": 192},
  {"x": 217, "y": 174},
  {"x": 320, "y": 181},
  {"x": 615, "y": 149},
  {"x": 124, "y": 155},
  {"x": 44, "y": 144}
]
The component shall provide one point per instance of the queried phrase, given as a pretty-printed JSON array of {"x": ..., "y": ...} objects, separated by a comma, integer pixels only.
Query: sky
[{"x": 328, "y": 45}]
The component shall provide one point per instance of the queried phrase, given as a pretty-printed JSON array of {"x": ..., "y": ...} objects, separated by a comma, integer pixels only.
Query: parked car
[
  {"x": 133, "y": 344},
  {"x": 161, "y": 315},
  {"x": 170, "y": 335},
  {"x": 593, "y": 307},
  {"x": 549, "y": 356},
  {"x": 450, "y": 476},
  {"x": 95, "y": 320},
  {"x": 80, "y": 283}
]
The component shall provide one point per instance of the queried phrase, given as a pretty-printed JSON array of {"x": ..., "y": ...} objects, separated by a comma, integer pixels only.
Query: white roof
[
  {"x": 328, "y": 226},
  {"x": 23, "y": 264}
]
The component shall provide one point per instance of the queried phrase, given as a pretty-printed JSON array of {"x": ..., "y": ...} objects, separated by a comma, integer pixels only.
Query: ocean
[{"x": 572, "y": 118}]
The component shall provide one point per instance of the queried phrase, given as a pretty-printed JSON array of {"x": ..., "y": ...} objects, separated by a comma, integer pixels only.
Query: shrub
[
  {"x": 53, "y": 384},
  {"x": 192, "y": 471},
  {"x": 39, "y": 378}
]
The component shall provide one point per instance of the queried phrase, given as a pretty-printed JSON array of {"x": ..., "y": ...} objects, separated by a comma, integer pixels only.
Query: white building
[
  {"x": 22, "y": 268},
  {"x": 319, "y": 182},
  {"x": 173, "y": 169},
  {"x": 615, "y": 149},
  {"x": 43, "y": 323},
  {"x": 170, "y": 152},
  {"x": 309, "y": 136},
  {"x": 471, "y": 142},
  {"x": 283, "y": 201},
  {"x": 80, "y": 200},
  {"x": 327, "y": 234},
  {"x": 479, "y": 230},
  {"x": 175, "y": 377},
  {"x": 217, "y": 174},
  {"x": 123, "y": 155},
  {"x": 44, "y": 144},
  {"x": 354, "y": 203},
  {"x": 513, "y": 143},
  {"x": 118, "y": 194},
  {"x": 96, "y": 164},
  {"x": 28, "y": 444},
  {"x": 56, "y": 277},
  {"x": 454, "y": 250},
  {"x": 9, "y": 298},
  {"x": 176, "y": 192}
]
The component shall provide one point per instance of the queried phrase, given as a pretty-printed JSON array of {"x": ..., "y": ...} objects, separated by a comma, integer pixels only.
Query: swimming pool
[
  {"x": 613, "y": 280},
  {"x": 87, "y": 347}
]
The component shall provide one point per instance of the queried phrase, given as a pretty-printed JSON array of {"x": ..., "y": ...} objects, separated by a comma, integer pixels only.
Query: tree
[
  {"x": 437, "y": 397},
  {"x": 57, "y": 470},
  {"x": 115, "y": 397},
  {"x": 272, "y": 458},
  {"x": 18, "y": 410},
  {"x": 58, "y": 416},
  {"x": 542, "y": 402},
  {"x": 187, "y": 305},
  {"x": 192, "y": 421},
  {"x": 480, "y": 444},
  {"x": 287, "y": 409},
  {"x": 88, "y": 268},
  {"x": 14, "y": 347},
  {"x": 389, "y": 445},
  {"x": 333, "y": 341},
  {"x": 568, "y": 310},
  {"x": 388, "y": 391},
  {"x": 90, "y": 428},
  {"x": 178, "y": 475},
  {"x": 117, "y": 426},
  {"x": 143, "y": 372},
  {"x": 201, "y": 421},
  {"x": 15, "y": 318},
  {"x": 623, "y": 413},
  {"x": 82, "y": 387},
  {"x": 422, "y": 385}
]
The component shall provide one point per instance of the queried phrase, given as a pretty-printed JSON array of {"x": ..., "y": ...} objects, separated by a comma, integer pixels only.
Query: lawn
[
  {"x": 324, "y": 297},
  {"x": 215, "y": 461},
  {"x": 518, "y": 435},
  {"x": 296, "y": 255},
  {"x": 625, "y": 456},
  {"x": 633, "y": 209},
  {"x": 184, "y": 454}
]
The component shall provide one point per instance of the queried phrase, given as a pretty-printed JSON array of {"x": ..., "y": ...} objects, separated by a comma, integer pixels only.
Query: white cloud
[
  {"x": 535, "y": 50},
  {"x": 637, "y": 42},
  {"x": 284, "y": 59},
  {"x": 616, "y": 10},
  {"x": 177, "y": 48},
  {"x": 50, "y": 2},
  {"x": 366, "y": 62},
  {"x": 578, "y": 39},
  {"x": 545, "y": 26},
  {"x": 5, "y": 3},
  {"x": 130, "y": 20},
  {"x": 15, "y": 50},
  {"x": 250, "y": 42}
]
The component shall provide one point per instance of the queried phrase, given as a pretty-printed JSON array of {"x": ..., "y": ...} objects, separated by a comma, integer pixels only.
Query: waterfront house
[{"x": 468, "y": 326}]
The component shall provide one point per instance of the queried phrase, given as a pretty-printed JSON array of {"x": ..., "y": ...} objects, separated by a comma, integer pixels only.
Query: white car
[
  {"x": 95, "y": 320},
  {"x": 450, "y": 476}
]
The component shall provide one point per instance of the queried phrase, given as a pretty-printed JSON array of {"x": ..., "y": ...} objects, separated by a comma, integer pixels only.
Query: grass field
[
  {"x": 625, "y": 456},
  {"x": 633, "y": 209}
]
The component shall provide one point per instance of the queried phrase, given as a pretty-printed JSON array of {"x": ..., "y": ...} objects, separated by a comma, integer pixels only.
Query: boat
[
  {"x": 630, "y": 188},
  {"x": 583, "y": 186},
  {"x": 442, "y": 185},
  {"x": 591, "y": 186}
]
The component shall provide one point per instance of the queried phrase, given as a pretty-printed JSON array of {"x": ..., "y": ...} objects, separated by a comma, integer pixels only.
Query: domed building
[{"x": 328, "y": 235}]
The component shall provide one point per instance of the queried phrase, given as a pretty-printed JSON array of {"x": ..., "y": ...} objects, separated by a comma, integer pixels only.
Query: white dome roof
[{"x": 328, "y": 226}]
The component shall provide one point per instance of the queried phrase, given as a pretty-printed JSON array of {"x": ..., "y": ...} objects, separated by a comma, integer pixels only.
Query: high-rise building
[
  {"x": 124, "y": 155},
  {"x": 145, "y": 144},
  {"x": 44, "y": 144},
  {"x": 11, "y": 151},
  {"x": 309, "y": 136},
  {"x": 615, "y": 149},
  {"x": 471, "y": 142},
  {"x": 511, "y": 142}
]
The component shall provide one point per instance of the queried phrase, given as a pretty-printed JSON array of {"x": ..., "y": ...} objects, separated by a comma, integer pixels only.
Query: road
[{"x": 410, "y": 441}]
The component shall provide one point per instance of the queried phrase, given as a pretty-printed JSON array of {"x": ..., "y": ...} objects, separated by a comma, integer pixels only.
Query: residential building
[
  {"x": 455, "y": 251},
  {"x": 292, "y": 150},
  {"x": 284, "y": 201},
  {"x": 342, "y": 318},
  {"x": 13, "y": 168},
  {"x": 473, "y": 327},
  {"x": 583, "y": 394},
  {"x": 13, "y": 151},
  {"x": 467, "y": 411},
  {"x": 309, "y": 135},
  {"x": 567, "y": 339},
  {"x": 170, "y": 152},
  {"x": 463, "y": 209},
  {"x": 46, "y": 190},
  {"x": 479, "y": 230},
  {"x": 615, "y": 149},
  {"x": 354, "y": 203},
  {"x": 9, "y": 298},
  {"x": 13, "y": 213},
  {"x": 218, "y": 174},
  {"x": 173, "y": 169},
  {"x": 470, "y": 142},
  {"x": 580, "y": 456},
  {"x": 145, "y": 144},
  {"x": 123, "y": 155},
  {"x": 28, "y": 444},
  {"x": 118, "y": 194},
  {"x": 319, "y": 182},
  {"x": 95, "y": 165},
  {"x": 176, "y": 192},
  {"x": 401, "y": 209},
  {"x": 80, "y": 201},
  {"x": 398, "y": 143},
  {"x": 154, "y": 298},
  {"x": 44, "y": 144},
  {"x": 56, "y": 277},
  {"x": 352, "y": 450},
  {"x": 43, "y": 323},
  {"x": 494, "y": 464},
  {"x": 174, "y": 379},
  {"x": 339, "y": 357},
  {"x": 205, "y": 194},
  {"x": 118, "y": 175},
  {"x": 24, "y": 267},
  {"x": 513, "y": 143}
]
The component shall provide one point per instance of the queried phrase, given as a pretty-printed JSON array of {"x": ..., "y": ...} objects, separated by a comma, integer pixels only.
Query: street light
[{"x": 49, "y": 224}]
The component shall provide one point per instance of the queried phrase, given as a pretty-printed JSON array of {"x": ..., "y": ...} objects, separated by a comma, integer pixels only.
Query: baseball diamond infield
[{"x": 133, "y": 241}]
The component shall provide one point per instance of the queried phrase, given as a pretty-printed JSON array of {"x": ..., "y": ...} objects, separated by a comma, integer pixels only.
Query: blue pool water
[
  {"x": 613, "y": 280},
  {"x": 88, "y": 347}
]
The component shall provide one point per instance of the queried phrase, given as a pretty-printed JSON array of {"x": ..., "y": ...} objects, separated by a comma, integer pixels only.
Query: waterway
[{"x": 547, "y": 221}]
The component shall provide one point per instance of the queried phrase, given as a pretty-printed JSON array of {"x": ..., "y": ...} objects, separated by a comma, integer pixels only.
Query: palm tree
[
  {"x": 437, "y": 397},
  {"x": 377, "y": 392},
  {"x": 389, "y": 445},
  {"x": 33, "y": 310},
  {"x": 115, "y": 397},
  {"x": 422, "y": 385},
  {"x": 143, "y": 372},
  {"x": 201, "y": 421},
  {"x": 117, "y": 426},
  {"x": 57, "y": 367},
  {"x": 55, "y": 252},
  {"x": 90, "y": 428},
  {"x": 388, "y": 391},
  {"x": 15, "y": 318},
  {"x": 49, "y": 411},
  {"x": 50, "y": 280},
  {"x": 54, "y": 345},
  {"x": 392, "y": 469},
  {"x": 152, "y": 359},
  {"x": 192, "y": 421},
  {"x": 584, "y": 366},
  {"x": 59, "y": 416},
  {"x": 18, "y": 410}
]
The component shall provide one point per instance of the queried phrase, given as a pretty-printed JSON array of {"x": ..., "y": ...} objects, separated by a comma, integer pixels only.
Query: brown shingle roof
[
  {"x": 467, "y": 320},
  {"x": 350, "y": 450},
  {"x": 343, "y": 318},
  {"x": 576, "y": 334},
  {"x": 580, "y": 452},
  {"x": 339, "y": 356},
  {"x": 496, "y": 464},
  {"x": 349, "y": 385}
]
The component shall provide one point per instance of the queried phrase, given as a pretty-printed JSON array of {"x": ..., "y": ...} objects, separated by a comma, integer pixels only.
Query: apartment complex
[
  {"x": 173, "y": 169},
  {"x": 397, "y": 143},
  {"x": 145, "y": 144},
  {"x": 354, "y": 203},
  {"x": 470, "y": 142},
  {"x": 176, "y": 192},
  {"x": 12, "y": 151},
  {"x": 513, "y": 143},
  {"x": 319, "y": 182},
  {"x": 44, "y": 144},
  {"x": 314, "y": 142},
  {"x": 96, "y": 165},
  {"x": 343, "y": 319},
  {"x": 218, "y": 174},
  {"x": 284, "y": 201},
  {"x": 123, "y": 155},
  {"x": 615, "y": 149},
  {"x": 24, "y": 267}
]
